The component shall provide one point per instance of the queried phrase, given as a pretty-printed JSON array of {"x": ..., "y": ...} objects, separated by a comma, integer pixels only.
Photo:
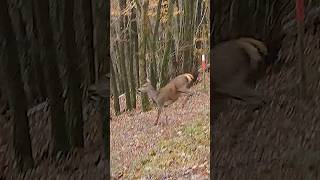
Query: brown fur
[
  {"x": 235, "y": 64},
  {"x": 170, "y": 93}
]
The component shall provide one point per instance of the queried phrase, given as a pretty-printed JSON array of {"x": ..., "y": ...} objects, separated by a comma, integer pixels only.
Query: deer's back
[
  {"x": 171, "y": 90},
  {"x": 231, "y": 64},
  {"x": 182, "y": 81}
]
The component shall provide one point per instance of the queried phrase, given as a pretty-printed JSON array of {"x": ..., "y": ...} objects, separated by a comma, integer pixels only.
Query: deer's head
[{"x": 146, "y": 87}]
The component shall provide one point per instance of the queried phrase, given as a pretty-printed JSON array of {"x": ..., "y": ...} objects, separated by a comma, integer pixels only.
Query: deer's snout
[{"x": 139, "y": 90}]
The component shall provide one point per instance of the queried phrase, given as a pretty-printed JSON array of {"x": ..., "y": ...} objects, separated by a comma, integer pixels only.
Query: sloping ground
[
  {"x": 80, "y": 164},
  {"x": 282, "y": 141},
  {"x": 140, "y": 150}
]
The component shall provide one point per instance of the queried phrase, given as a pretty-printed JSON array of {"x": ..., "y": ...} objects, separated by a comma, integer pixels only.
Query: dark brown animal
[{"x": 237, "y": 65}]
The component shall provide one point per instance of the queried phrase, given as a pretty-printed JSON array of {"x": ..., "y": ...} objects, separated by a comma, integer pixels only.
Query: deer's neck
[{"x": 153, "y": 94}]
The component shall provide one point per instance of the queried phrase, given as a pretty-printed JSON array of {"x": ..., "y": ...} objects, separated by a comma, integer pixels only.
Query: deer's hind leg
[
  {"x": 159, "y": 113},
  {"x": 243, "y": 93}
]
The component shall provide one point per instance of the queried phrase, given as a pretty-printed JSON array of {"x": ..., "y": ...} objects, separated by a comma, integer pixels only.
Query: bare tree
[
  {"x": 10, "y": 69},
  {"x": 73, "y": 76},
  {"x": 87, "y": 15},
  {"x": 51, "y": 72},
  {"x": 123, "y": 39}
]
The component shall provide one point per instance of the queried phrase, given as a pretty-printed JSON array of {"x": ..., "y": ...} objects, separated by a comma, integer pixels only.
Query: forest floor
[
  {"x": 80, "y": 164},
  {"x": 177, "y": 150},
  {"x": 281, "y": 141}
]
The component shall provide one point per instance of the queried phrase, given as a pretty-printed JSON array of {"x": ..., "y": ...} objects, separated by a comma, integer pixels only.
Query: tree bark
[
  {"x": 166, "y": 58},
  {"x": 51, "y": 71},
  {"x": 27, "y": 71},
  {"x": 143, "y": 76},
  {"x": 131, "y": 61},
  {"x": 73, "y": 77},
  {"x": 135, "y": 40},
  {"x": 123, "y": 69},
  {"x": 87, "y": 15},
  {"x": 10, "y": 68},
  {"x": 116, "y": 104},
  {"x": 188, "y": 35}
]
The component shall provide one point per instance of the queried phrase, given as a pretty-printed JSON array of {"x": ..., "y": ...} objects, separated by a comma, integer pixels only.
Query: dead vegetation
[
  {"x": 282, "y": 140},
  {"x": 178, "y": 150}
]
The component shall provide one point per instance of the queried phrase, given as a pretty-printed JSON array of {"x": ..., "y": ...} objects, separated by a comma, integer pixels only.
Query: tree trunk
[
  {"x": 131, "y": 63},
  {"x": 152, "y": 45},
  {"x": 25, "y": 58},
  {"x": 188, "y": 35},
  {"x": 73, "y": 77},
  {"x": 116, "y": 103},
  {"x": 135, "y": 40},
  {"x": 87, "y": 15},
  {"x": 16, "y": 95},
  {"x": 103, "y": 59},
  {"x": 143, "y": 76},
  {"x": 104, "y": 110},
  {"x": 35, "y": 51},
  {"x": 27, "y": 11},
  {"x": 123, "y": 33},
  {"x": 101, "y": 37},
  {"x": 51, "y": 71},
  {"x": 168, "y": 50}
]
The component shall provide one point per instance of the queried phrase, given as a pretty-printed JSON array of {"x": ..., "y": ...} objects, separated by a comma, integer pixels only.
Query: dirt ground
[
  {"x": 140, "y": 150},
  {"x": 87, "y": 163},
  {"x": 281, "y": 141}
]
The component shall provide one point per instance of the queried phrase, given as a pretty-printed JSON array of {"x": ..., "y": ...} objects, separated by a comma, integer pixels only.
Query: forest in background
[
  {"x": 157, "y": 40},
  {"x": 54, "y": 70}
]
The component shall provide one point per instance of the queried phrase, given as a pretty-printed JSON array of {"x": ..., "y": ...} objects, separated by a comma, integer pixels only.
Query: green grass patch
[{"x": 188, "y": 146}]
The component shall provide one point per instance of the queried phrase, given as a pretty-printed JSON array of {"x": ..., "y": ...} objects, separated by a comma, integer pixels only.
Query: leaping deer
[{"x": 167, "y": 95}]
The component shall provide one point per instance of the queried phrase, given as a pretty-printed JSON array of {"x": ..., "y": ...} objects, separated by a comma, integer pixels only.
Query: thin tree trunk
[
  {"x": 25, "y": 59},
  {"x": 135, "y": 40},
  {"x": 16, "y": 95},
  {"x": 51, "y": 71},
  {"x": 35, "y": 51},
  {"x": 117, "y": 72},
  {"x": 152, "y": 46},
  {"x": 116, "y": 103},
  {"x": 73, "y": 77},
  {"x": 131, "y": 63},
  {"x": 143, "y": 76},
  {"x": 86, "y": 6},
  {"x": 28, "y": 13},
  {"x": 188, "y": 35},
  {"x": 123, "y": 33},
  {"x": 101, "y": 37},
  {"x": 169, "y": 39}
]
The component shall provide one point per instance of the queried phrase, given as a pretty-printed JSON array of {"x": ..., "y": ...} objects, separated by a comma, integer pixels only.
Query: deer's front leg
[
  {"x": 159, "y": 112},
  {"x": 188, "y": 93}
]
